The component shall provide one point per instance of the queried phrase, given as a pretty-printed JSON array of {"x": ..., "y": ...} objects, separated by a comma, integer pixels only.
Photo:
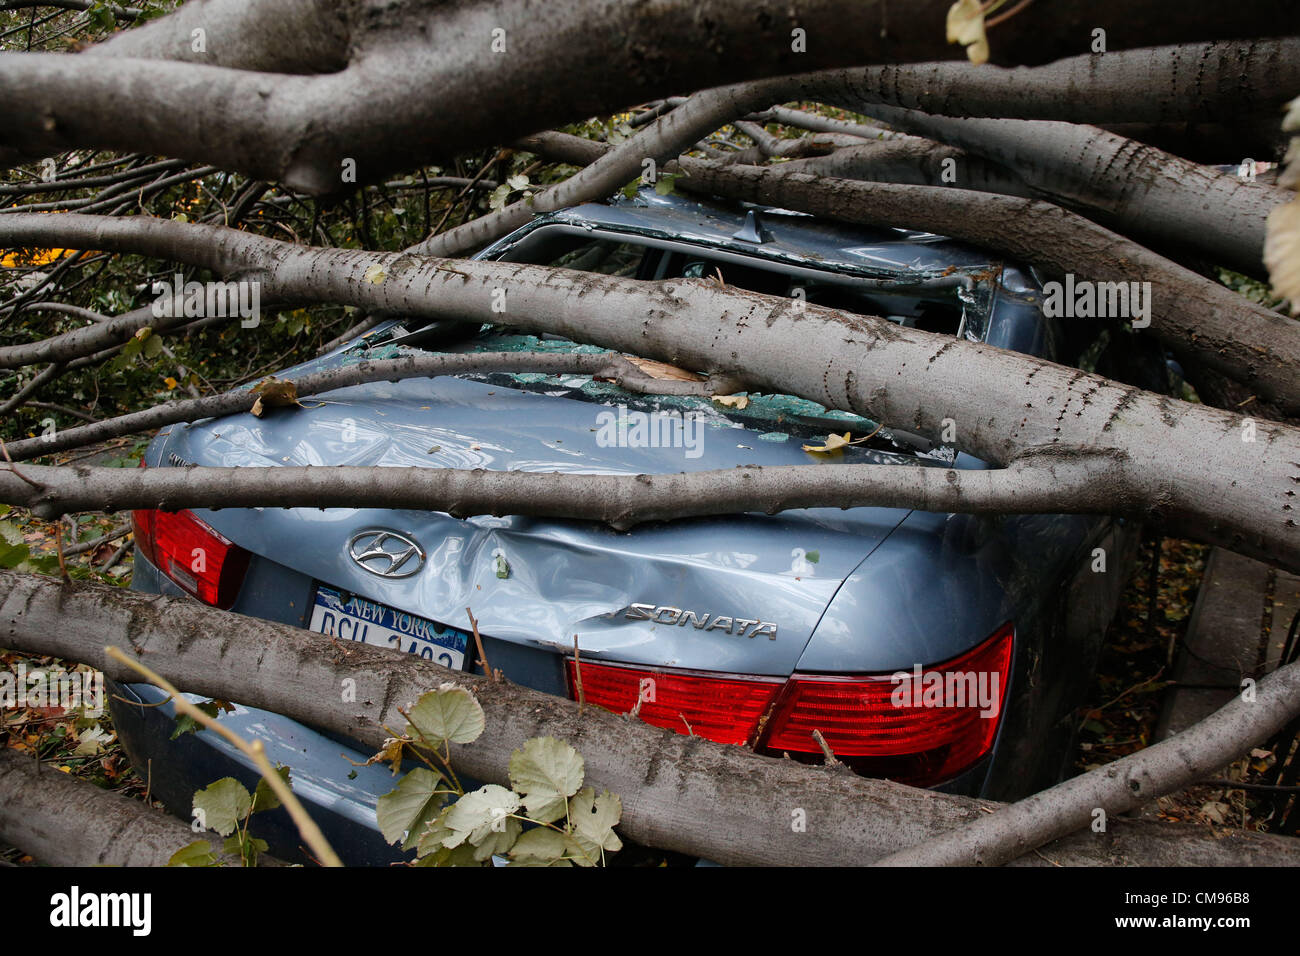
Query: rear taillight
[
  {"x": 920, "y": 727},
  {"x": 725, "y": 709},
  {"x": 193, "y": 554}
]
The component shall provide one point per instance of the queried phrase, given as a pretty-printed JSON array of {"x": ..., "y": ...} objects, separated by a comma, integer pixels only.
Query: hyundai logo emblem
[{"x": 386, "y": 553}]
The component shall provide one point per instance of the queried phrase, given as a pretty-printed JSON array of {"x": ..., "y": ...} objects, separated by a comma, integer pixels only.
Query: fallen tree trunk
[
  {"x": 1196, "y": 317},
  {"x": 1187, "y": 462},
  {"x": 679, "y": 793},
  {"x": 424, "y": 81},
  {"x": 1079, "y": 485},
  {"x": 607, "y": 366},
  {"x": 615, "y": 167},
  {"x": 915, "y": 161},
  {"x": 1133, "y": 188},
  {"x": 62, "y": 821},
  {"x": 1218, "y": 81}
]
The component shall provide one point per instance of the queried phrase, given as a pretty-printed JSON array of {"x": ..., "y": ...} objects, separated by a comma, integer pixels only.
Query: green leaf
[
  {"x": 482, "y": 818},
  {"x": 665, "y": 184},
  {"x": 462, "y": 855},
  {"x": 435, "y": 835},
  {"x": 153, "y": 346},
  {"x": 813, "y": 556},
  {"x": 101, "y": 17},
  {"x": 629, "y": 191},
  {"x": 497, "y": 200},
  {"x": 547, "y": 772},
  {"x": 448, "y": 713},
  {"x": 541, "y": 846},
  {"x": 13, "y": 555},
  {"x": 407, "y": 809},
  {"x": 185, "y": 724},
  {"x": 198, "y": 853},
  {"x": 264, "y": 797},
  {"x": 247, "y": 850},
  {"x": 503, "y": 566},
  {"x": 223, "y": 804},
  {"x": 593, "y": 819}
]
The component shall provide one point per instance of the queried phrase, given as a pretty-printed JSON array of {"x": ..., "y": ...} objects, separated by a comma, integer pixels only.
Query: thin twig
[
  {"x": 478, "y": 642},
  {"x": 14, "y": 468},
  {"x": 306, "y": 825},
  {"x": 58, "y": 543},
  {"x": 830, "y": 756},
  {"x": 577, "y": 676}
]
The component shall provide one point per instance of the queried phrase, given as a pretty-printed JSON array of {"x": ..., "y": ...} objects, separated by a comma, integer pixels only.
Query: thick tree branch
[
  {"x": 423, "y": 80},
  {"x": 1080, "y": 483},
  {"x": 1216, "y": 81},
  {"x": 713, "y": 795},
  {"x": 1137, "y": 189},
  {"x": 606, "y": 366},
  {"x": 62, "y": 821},
  {"x": 1196, "y": 459},
  {"x": 1193, "y": 315}
]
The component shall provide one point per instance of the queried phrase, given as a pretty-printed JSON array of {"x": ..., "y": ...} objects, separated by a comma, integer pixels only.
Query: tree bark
[
  {"x": 1216, "y": 81},
  {"x": 1135, "y": 189},
  {"x": 62, "y": 821},
  {"x": 1076, "y": 484},
  {"x": 1198, "y": 467},
  {"x": 1194, "y": 316},
  {"x": 422, "y": 80},
  {"x": 913, "y": 160},
  {"x": 679, "y": 793},
  {"x": 608, "y": 366}
]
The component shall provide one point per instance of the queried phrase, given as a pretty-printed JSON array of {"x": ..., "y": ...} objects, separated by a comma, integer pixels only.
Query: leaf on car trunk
[
  {"x": 273, "y": 391},
  {"x": 663, "y": 371},
  {"x": 837, "y": 442}
]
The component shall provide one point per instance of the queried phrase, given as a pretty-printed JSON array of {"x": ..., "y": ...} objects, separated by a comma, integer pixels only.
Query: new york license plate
[{"x": 357, "y": 619}]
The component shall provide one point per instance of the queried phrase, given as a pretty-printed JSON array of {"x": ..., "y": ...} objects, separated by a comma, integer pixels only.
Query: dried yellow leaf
[
  {"x": 663, "y": 371},
  {"x": 1282, "y": 252},
  {"x": 966, "y": 26},
  {"x": 833, "y": 443},
  {"x": 273, "y": 391}
]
